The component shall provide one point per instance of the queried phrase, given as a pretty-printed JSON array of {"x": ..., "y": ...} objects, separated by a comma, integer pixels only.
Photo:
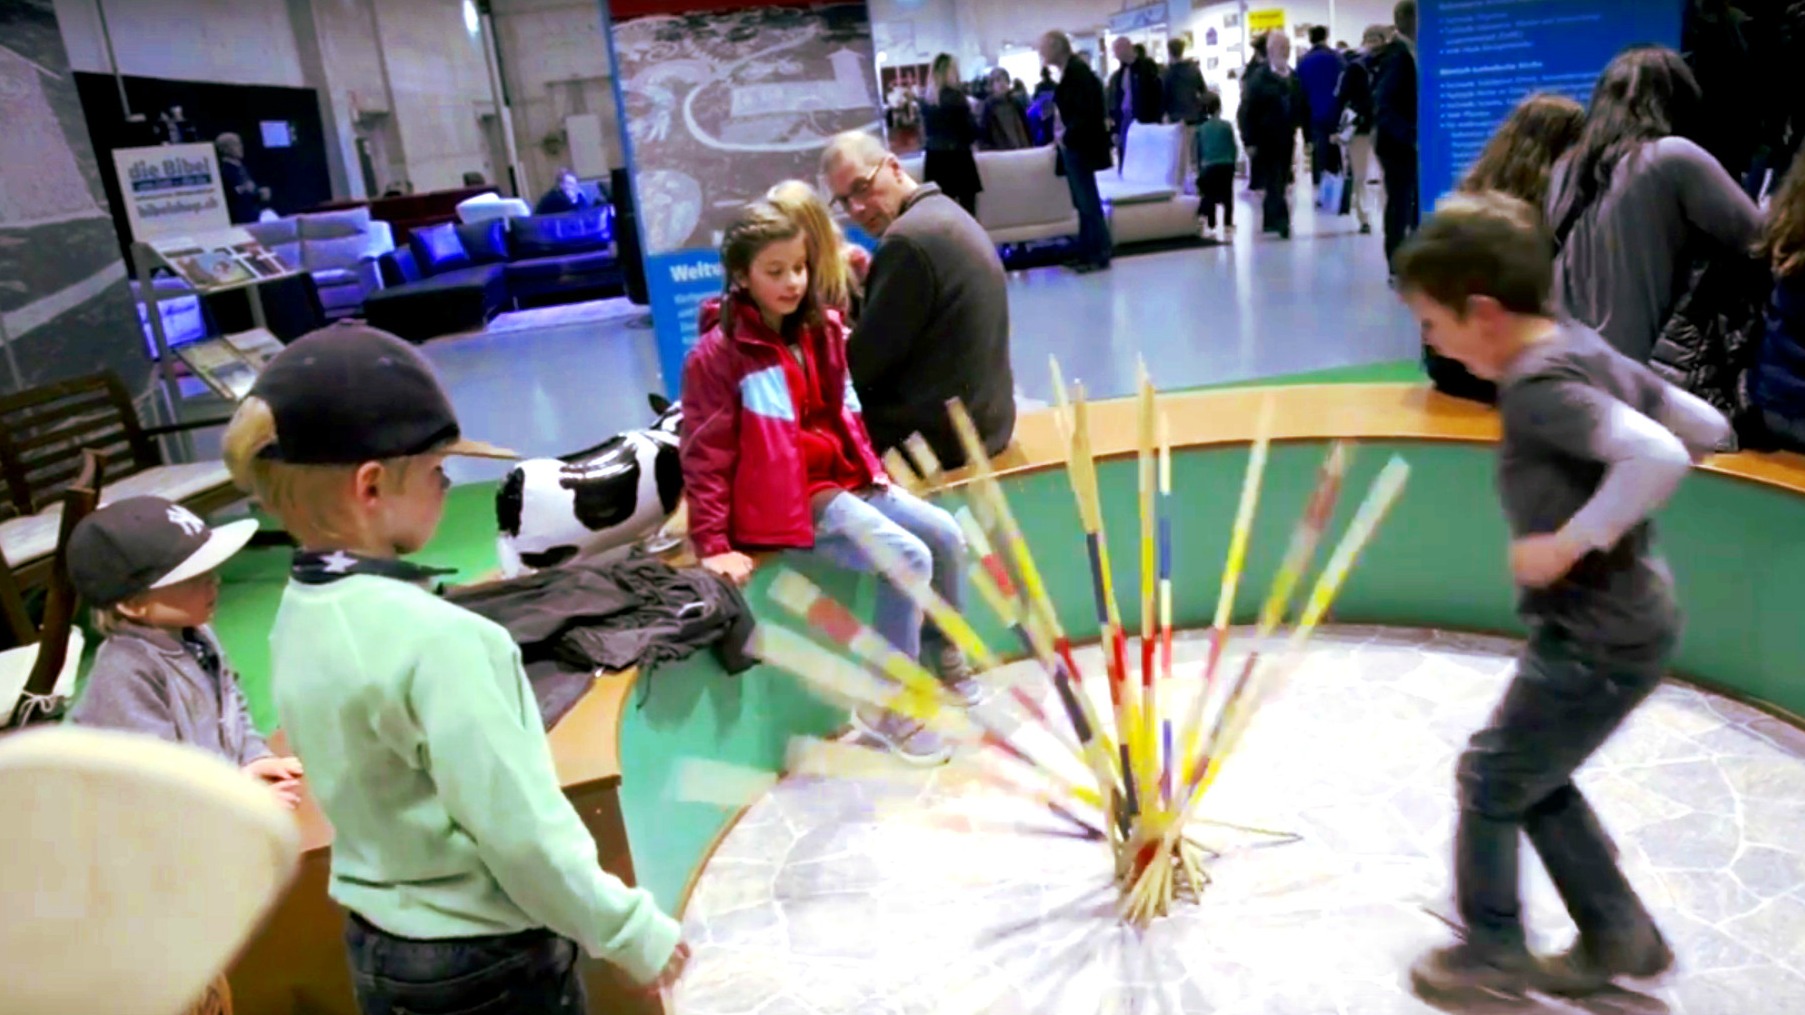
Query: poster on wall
[
  {"x": 720, "y": 100},
  {"x": 171, "y": 189},
  {"x": 1270, "y": 20},
  {"x": 65, "y": 305},
  {"x": 1476, "y": 61}
]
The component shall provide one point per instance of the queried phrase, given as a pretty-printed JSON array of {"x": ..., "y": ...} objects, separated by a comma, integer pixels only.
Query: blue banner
[
  {"x": 719, "y": 100},
  {"x": 1477, "y": 58}
]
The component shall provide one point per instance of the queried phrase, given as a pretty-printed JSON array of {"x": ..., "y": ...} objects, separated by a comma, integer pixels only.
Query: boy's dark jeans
[
  {"x": 1517, "y": 776},
  {"x": 534, "y": 971}
]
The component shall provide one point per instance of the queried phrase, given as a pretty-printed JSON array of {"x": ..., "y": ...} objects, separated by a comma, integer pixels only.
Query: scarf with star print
[{"x": 312, "y": 567}]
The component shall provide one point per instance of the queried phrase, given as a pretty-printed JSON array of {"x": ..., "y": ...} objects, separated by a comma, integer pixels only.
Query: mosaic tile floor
[{"x": 923, "y": 894}]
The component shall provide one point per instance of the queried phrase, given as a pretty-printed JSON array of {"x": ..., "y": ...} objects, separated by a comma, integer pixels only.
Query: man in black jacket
[
  {"x": 936, "y": 319},
  {"x": 1136, "y": 94},
  {"x": 1272, "y": 112},
  {"x": 1394, "y": 130},
  {"x": 1083, "y": 146}
]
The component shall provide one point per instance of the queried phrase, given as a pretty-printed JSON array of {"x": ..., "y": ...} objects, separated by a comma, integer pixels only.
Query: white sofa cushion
[
  {"x": 1153, "y": 158},
  {"x": 1022, "y": 189}
]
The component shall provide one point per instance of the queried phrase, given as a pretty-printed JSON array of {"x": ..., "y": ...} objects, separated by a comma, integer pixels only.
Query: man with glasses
[{"x": 935, "y": 323}]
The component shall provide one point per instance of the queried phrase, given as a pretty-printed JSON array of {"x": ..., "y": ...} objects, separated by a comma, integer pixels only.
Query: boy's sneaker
[
  {"x": 1590, "y": 965},
  {"x": 1463, "y": 971},
  {"x": 903, "y": 737},
  {"x": 956, "y": 676}
]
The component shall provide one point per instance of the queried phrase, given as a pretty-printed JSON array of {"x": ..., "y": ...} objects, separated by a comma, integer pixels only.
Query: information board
[
  {"x": 721, "y": 100},
  {"x": 171, "y": 189},
  {"x": 1477, "y": 58}
]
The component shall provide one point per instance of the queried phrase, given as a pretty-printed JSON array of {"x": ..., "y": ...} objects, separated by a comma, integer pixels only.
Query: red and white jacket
[{"x": 743, "y": 469}]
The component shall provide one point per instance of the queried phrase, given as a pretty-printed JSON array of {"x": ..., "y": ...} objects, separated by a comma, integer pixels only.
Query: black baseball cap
[
  {"x": 348, "y": 394},
  {"x": 143, "y": 543}
]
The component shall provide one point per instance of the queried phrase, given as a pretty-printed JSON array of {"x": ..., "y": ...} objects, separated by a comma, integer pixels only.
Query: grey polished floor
[
  {"x": 549, "y": 383},
  {"x": 933, "y": 894}
]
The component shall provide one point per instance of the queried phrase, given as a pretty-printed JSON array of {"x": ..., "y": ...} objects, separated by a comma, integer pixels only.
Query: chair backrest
[
  {"x": 144, "y": 867},
  {"x": 60, "y": 599},
  {"x": 44, "y": 430},
  {"x": 1153, "y": 154}
]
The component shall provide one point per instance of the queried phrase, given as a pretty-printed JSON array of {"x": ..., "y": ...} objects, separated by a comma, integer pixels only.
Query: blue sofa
[{"x": 453, "y": 277}]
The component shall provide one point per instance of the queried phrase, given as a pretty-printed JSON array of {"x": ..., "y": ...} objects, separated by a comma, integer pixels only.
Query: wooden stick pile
[{"x": 1149, "y": 767}]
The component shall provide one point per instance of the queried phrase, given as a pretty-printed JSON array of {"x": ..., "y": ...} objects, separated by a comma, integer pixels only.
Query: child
[
  {"x": 469, "y": 879},
  {"x": 1216, "y": 155},
  {"x": 836, "y": 266},
  {"x": 150, "y": 570},
  {"x": 775, "y": 456},
  {"x": 1593, "y": 444},
  {"x": 1777, "y": 380}
]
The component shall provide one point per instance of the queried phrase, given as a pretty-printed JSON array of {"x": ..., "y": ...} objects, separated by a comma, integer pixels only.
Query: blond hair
[
  {"x": 833, "y": 278},
  {"x": 946, "y": 73},
  {"x": 314, "y": 502}
]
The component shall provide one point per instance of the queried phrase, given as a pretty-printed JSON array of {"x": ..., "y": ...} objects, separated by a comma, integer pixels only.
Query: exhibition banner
[
  {"x": 1270, "y": 20},
  {"x": 171, "y": 190},
  {"x": 1478, "y": 58},
  {"x": 720, "y": 100}
]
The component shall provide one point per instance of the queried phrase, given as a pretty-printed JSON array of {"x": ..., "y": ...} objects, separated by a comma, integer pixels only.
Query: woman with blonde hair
[
  {"x": 1519, "y": 159},
  {"x": 836, "y": 266},
  {"x": 951, "y": 130}
]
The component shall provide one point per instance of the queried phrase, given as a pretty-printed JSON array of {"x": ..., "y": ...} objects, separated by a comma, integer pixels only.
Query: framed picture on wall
[
  {"x": 1214, "y": 63},
  {"x": 1231, "y": 20}
]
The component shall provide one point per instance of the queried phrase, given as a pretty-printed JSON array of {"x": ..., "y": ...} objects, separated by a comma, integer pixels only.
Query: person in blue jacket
[
  {"x": 1777, "y": 382},
  {"x": 1320, "y": 71}
]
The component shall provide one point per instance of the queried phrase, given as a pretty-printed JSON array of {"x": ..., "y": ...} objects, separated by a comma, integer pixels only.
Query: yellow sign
[{"x": 1266, "y": 21}]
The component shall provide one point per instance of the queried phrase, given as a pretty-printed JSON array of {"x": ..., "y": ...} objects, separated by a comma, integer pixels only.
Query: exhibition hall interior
[{"x": 888, "y": 728}]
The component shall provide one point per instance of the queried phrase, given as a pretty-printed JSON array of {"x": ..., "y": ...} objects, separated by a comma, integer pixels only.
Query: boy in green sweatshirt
[{"x": 469, "y": 878}]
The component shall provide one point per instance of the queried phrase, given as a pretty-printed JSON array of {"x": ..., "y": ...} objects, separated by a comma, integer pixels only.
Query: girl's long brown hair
[
  {"x": 833, "y": 280},
  {"x": 756, "y": 227},
  {"x": 1784, "y": 243},
  {"x": 1519, "y": 159}
]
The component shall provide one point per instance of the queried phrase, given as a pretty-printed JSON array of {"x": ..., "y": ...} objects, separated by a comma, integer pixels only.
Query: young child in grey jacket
[{"x": 149, "y": 568}]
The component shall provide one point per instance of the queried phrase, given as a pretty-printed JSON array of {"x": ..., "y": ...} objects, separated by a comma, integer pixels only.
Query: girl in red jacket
[{"x": 776, "y": 457}]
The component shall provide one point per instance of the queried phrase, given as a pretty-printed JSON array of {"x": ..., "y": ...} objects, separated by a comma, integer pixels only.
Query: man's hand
[
  {"x": 673, "y": 970},
  {"x": 1540, "y": 560},
  {"x": 734, "y": 566}
]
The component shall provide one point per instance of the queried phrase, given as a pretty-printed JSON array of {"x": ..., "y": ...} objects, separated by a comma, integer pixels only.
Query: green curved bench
[{"x": 1735, "y": 535}]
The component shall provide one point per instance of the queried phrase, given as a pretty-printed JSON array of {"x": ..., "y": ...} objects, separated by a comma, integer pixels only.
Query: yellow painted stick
[
  {"x": 903, "y": 473},
  {"x": 1147, "y": 461},
  {"x": 926, "y": 462},
  {"x": 1081, "y": 467},
  {"x": 1306, "y": 536},
  {"x": 1062, "y": 406}
]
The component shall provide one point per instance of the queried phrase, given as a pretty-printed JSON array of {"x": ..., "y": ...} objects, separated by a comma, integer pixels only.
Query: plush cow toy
[{"x": 554, "y": 510}]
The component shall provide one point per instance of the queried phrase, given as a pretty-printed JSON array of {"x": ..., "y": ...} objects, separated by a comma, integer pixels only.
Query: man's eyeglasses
[{"x": 861, "y": 189}]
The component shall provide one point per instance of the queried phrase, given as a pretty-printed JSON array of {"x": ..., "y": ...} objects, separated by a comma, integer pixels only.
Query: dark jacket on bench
[{"x": 935, "y": 326}]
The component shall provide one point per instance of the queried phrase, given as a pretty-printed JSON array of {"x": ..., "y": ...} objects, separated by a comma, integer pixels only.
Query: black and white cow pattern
[{"x": 554, "y": 510}]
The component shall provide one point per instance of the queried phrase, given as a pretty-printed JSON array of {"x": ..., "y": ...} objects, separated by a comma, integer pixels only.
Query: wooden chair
[
  {"x": 40, "y": 674},
  {"x": 43, "y": 432}
]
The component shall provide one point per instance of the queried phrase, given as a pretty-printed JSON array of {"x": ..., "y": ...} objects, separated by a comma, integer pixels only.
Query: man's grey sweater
[
  {"x": 935, "y": 326},
  {"x": 1593, "y": 444}
]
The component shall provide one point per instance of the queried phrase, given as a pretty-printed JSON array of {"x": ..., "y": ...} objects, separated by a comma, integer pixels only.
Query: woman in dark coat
[
  {"x": 1005, "y": 122},
  {"x": 951, "y": 131}
]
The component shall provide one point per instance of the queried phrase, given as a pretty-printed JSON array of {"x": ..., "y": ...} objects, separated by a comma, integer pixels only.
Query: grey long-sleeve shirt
[
  {"x": 172, "y": 685},
  {"x": 1628, "y": 253},
  {"x": 1593, "y": 444}
]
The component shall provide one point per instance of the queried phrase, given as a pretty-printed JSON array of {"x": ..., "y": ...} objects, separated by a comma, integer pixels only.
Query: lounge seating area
[
  {"x": 1145, "y": 196},
  {"x": 338, "y": 248},
  {"x": 1026, "y": 199},
  {"x": 453, "y": 278}
]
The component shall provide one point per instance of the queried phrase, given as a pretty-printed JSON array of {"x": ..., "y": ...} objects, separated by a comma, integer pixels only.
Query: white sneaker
[{"x": 909, "y": 740}]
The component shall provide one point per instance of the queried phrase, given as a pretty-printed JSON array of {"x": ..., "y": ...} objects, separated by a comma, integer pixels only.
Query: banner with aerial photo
[
  {"x": 65, "y": 306},
  {"x": 719, "y": 100}
]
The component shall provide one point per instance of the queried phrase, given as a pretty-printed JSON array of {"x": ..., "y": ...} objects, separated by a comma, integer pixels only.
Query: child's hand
[
  {"x": 673, "y": 969},
  {"x": 734, "y": 566},
  {"x": 859, "y": 260},
  {"x": 1540, "y": 560},
  {"x": 274, "y": 769}
]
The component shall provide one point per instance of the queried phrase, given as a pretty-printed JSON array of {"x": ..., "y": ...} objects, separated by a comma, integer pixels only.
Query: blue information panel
[{"x": 1478, "y": 58}]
